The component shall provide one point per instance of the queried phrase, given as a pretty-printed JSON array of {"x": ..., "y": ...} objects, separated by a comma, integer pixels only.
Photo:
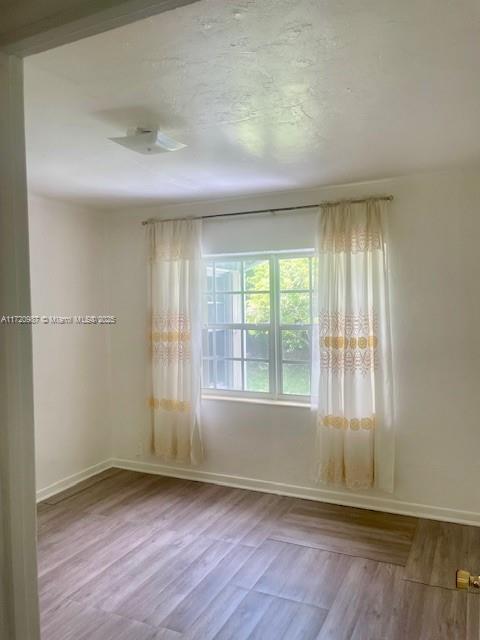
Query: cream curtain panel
[
  {"x": 351, "y": 383},
  {"x": 175, "y": 337}
]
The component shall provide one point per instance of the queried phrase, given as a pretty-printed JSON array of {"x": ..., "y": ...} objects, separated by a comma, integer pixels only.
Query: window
[{"x": 257, "y": 325}]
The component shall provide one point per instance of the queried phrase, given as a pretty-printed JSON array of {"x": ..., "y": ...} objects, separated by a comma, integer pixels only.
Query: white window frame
[{"x": 274, "y": 326}]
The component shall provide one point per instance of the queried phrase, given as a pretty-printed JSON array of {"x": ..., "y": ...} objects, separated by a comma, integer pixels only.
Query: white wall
[
  {"x": 70, "y": 362},
  {"x": 435, "y": 265}
]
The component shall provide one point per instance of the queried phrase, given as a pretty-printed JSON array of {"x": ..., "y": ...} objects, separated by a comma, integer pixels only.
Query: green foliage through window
[{"x": 257, "y": 324}]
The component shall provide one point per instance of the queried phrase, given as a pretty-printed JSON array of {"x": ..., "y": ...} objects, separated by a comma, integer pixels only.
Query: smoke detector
[{"x": 148, "y": 141}]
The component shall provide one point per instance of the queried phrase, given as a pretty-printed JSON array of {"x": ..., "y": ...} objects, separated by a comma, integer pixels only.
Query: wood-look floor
[{"x": 130, "y": 556}]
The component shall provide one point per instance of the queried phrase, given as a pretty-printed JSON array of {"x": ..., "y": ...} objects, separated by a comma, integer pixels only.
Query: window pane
[
  {"x": 229, "y": 374},
  {"x": 294, "y": 273},
  {"x": 207, "y": 342},
  {"x": 208, "y": 309},
  {"x": 257, "y": 275},
  {"x": 314, "y": 271},
  {"x": 257, "y": 343},
  {"x": 257, "y": 308},
  {"x": 228, "y": 275},
  {"x": 229, "y": 343},
  {"x": 208, "y": 276},
  {"x": 229, "y": 307},
  {"x": 208, "y": 375},
  {"x": 257, "y": 376},
  {"x": 295, "y": 344},
  {"x": 296, "y": 379},
  {"x": 295, "y": 308}
]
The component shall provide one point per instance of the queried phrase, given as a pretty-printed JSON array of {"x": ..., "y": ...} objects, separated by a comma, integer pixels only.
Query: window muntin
[{"x": 257, "y": 325}]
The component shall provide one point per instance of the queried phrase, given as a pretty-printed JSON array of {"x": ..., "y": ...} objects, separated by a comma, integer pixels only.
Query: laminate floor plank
[
  {"x": 473, "y": 617},
  {"x": 432, "y": 613},
  {"x": 158, "y": 597},
  {"x": 84, "y": 484},
  {"x": 207, "y": 504},
  {"x": 113, "y": 487},
  {"x": 376, "y": 603},
  {"x": 263, "y": 527},
  {"x": 165, "y": 554},
  {"x": 439, "y": 549},
  {"x": 366, "y": 606},
  {"x": 355, "y": 532},
  {"x": 121, "y": 503},
  {"x": 187, "y": 612},
  {"x": 74, "y": 533},
  {"x": 305, "y": 575},
  {"x": 115, "y": 541},
  {"x": 134, "y": 556},
  {"x": 157, "y": 585},
  {"x": 235, "y": 515},
  {"x": 55, "y": 519},
  {"x": 151, "y": 501},
  {"x": 250, "y": 518},
  {"x": 288, "y": 620},
  {"x": 73, "y": 621},
  {"x": 241, "y": 624},
  {"x": 181, "y": 504},
  {"x": 209, "y": 623},
  {"x": 57, "y": 522},
  {"x": 43, "y": 508},
  {"x": 263, "y": 617},
  {"x": 263, "y": 557}
]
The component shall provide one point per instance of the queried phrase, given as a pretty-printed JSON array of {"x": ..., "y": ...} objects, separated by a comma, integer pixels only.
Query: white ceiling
[{"x": 268, "y": 94}]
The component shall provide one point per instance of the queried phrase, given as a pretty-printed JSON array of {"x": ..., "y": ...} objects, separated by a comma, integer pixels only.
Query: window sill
[{"x": 266, "y": 401}]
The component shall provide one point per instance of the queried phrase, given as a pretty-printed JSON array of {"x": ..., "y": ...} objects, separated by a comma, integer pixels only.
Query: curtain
[
  {"x": 175, "y": 338},
  {"x": 351, "y": 382}
]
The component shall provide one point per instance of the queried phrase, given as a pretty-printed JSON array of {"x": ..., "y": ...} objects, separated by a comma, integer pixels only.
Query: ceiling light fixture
[{"x": 148, "y": 141}]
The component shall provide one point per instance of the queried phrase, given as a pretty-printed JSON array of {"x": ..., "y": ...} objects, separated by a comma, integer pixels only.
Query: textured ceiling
[{"x": 268, "y": 95}]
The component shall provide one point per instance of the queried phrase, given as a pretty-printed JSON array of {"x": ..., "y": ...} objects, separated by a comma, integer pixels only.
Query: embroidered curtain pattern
[
  {"x": 175, "y": 339},
  {"x": 351, "y": 385}
]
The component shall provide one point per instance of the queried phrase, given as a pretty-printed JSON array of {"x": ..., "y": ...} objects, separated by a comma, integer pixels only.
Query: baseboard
[
  {"x": 362, "y": 501},
  {"x": 70, "y": 481}
]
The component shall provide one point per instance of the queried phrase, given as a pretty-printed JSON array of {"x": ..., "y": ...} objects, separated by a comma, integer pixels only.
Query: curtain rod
[{"x": 249, "y": 213}]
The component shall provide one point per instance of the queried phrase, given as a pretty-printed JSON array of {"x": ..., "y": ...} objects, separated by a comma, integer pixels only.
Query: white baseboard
[
  {"x": 70, "y": 481},
  {"x": 362, "y": 501}
]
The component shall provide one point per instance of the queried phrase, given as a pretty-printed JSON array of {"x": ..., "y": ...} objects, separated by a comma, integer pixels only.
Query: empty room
[{"x": 251, "y": 322}]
